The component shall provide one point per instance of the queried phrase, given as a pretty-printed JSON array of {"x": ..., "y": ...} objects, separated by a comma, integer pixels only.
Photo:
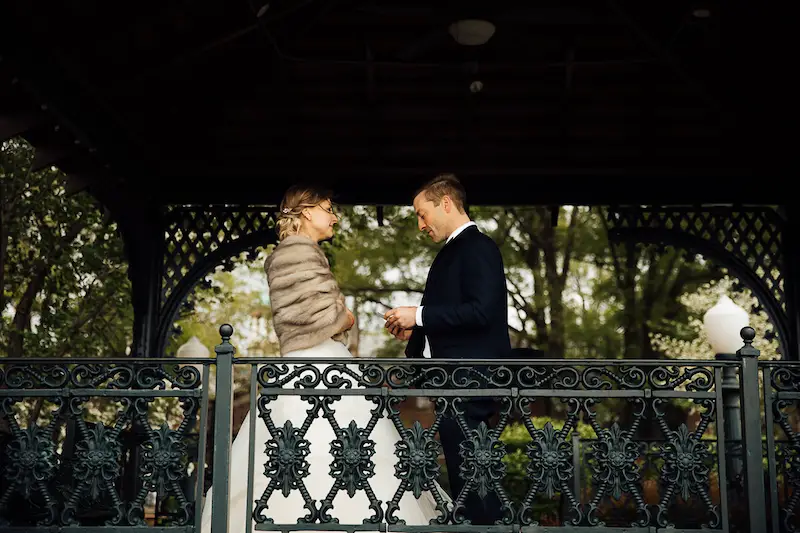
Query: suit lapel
[{"x": 445, "y": 250}]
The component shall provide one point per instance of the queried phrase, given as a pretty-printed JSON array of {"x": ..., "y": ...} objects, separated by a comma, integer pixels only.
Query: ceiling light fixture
[{"x": 471, "y": 32}]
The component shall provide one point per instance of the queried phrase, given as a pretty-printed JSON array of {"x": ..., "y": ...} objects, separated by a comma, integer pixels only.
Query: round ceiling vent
[{"x": 472, "y": 32}]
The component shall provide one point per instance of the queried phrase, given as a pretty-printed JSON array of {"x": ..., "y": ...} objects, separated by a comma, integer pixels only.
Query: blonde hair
[
  {"x": 297, "y": 198},
  {"x": 444, "y": 185}
]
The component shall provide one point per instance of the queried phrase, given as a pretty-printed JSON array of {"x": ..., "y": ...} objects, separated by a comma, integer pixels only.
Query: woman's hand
[{"x": 352, "y": 320}]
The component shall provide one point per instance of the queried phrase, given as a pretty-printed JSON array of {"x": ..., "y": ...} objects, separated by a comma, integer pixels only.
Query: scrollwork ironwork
[
  {"x": 579, "y": 376},
  {"x": 418, "y": 459},
  {"x": 22, "y": 376},
  {"x": 670, "y": 377},
  {"x": 785, "y": 380},
  {"x": 614, "y": 459},
  {"x": 352, "y": 462},
  {"x": 90, "y": 474},
  {"x": 551, "y": 459},
  {"x": 685, "y": 470},
  {"x": 96, "y": 468},
  {"x": 612, "y": 471},
  {"x": 32, "y": 459},
  {"x": 100, "y": 376},
  {"x": 482, "y": 453},
  {"x": 286, "y": 463}
]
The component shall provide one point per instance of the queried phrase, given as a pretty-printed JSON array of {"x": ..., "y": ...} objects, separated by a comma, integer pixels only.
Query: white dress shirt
[{"x": 426, "y": 351}]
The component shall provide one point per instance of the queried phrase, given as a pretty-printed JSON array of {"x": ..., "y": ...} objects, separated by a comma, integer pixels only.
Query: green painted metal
[
  {"x": 201, "y": 445},
  {"x": 74, "y": 485},
  {"x": 223, "y": 429},
  {"x": 751, "y": 433}
]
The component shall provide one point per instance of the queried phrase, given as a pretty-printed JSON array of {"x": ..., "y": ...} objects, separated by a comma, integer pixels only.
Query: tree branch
[
  {"x": 570, "y": 245},
  {"x": 526, "y": 226},
  {"x": 80, "y": 322},
  {"x": 618, "y": 272},
  {"x": 669, "y": 276},
  {"x": 649, "y": 288},
  {"x": 378, "y": 302},
  {"x": 24, "y": 308},
  {"x": 519, "y": 301}
]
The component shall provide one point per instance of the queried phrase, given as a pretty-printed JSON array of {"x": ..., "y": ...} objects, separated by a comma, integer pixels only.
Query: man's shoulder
[{"x": 479, "y": 238}]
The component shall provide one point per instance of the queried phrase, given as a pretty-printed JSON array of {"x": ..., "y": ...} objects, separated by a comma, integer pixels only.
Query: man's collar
[{"x": 458, "y": 230}]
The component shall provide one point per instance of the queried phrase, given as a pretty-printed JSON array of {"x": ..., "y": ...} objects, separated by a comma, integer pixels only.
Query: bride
[{"x": 312, "y": 320}]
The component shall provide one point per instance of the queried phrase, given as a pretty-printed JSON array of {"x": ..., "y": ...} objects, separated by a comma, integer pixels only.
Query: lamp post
[
  {"x": 194, "y": 349},
  {"x": 723, "y": 324}
]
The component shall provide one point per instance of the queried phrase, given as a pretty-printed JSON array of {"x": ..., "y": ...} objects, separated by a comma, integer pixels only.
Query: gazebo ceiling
[{"x": 230, "y": 100}]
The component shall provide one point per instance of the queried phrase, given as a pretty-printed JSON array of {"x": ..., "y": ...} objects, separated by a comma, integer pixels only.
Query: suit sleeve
[
  {"x": 483, "y": 286},
  {"x": 415, "y": 344}
]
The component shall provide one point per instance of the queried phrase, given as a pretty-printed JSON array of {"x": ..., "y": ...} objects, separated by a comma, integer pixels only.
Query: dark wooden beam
[
  {"x": 632, "y": 186},
  {"x": 47, "y": 156},
  {"x": 186, "y": 58},
  {"x": 311, "y": 20},
  {"x": 77, "y": 183},
  {"x": 15, "y": 124},
  {"x": 370, "y": 107},
  {"x": 665, "y": 56}
]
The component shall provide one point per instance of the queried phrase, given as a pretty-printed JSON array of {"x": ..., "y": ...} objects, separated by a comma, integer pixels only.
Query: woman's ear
[{"x": 306, "y": 213}]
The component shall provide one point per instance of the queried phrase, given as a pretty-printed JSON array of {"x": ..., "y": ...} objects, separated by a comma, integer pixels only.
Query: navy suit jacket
[{"x": 465, "y": 313}]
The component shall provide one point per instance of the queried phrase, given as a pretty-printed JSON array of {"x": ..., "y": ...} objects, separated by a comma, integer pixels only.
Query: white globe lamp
[
  {"x": 194, "y": 349},
  {"x": 723, "y": 324}
]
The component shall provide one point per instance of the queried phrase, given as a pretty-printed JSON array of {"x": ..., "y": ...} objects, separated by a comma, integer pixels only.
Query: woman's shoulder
[{"x": 294, "y": 249}]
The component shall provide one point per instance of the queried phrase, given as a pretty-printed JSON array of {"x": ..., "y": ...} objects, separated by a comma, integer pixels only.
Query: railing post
[
  {"x": 731, "y": 405},
  {"x": 751, "y": 430},
  {"x": 223, "y": 427}
]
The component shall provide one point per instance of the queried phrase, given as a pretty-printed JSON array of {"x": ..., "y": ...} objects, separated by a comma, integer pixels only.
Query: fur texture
[{"x": 307, "y": 305}]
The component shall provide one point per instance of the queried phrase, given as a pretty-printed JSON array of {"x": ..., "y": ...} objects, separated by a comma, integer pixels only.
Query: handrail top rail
[{"x": 391, "y": 361}]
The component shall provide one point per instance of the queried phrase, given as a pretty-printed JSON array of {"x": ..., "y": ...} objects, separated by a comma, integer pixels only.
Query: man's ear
[{"x": 447, "y": 205}]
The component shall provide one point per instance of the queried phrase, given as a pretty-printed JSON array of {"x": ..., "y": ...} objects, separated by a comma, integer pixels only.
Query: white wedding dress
[{"x": 318, "y": 482}]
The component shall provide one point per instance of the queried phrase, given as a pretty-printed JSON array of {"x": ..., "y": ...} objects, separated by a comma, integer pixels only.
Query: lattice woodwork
[
  {"x": 747, "y": 239},
  {"x": 193, "y": 233}
]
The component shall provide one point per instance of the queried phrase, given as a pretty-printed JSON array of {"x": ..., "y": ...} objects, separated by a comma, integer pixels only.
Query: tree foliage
[
  {"x": 65, "y": 288},
  {"x": 693, "y": 343},
  {"x": 572, "y": 293}
]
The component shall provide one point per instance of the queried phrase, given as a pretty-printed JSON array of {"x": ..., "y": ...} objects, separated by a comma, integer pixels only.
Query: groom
[{"x": 463, "y": 315}]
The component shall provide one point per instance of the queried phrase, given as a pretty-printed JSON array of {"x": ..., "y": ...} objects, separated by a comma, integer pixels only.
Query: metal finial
[{"x": 226, "y": 332}]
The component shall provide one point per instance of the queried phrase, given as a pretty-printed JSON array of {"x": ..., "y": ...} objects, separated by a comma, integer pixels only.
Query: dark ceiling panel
[{"x": 178, "y": 94}]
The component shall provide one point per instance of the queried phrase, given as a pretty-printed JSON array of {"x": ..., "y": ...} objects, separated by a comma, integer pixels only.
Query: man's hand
[
  {"x": 401, "y": 317},
  {"x": 400, "y": 333}
]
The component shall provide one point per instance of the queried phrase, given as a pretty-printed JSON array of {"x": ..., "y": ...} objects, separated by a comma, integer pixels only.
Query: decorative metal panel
[{"x": 746, "y": 240}]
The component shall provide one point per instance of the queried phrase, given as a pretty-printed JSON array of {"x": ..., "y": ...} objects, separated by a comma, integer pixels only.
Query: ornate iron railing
[{"x": 641, "y": 446}]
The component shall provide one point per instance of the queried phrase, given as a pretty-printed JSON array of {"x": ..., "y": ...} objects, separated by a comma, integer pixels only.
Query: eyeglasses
[{"x": 328, "y": 210}]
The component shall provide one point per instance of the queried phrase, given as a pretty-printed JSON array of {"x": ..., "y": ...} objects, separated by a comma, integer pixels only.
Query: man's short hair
[{"x": 444, "y": 185}]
